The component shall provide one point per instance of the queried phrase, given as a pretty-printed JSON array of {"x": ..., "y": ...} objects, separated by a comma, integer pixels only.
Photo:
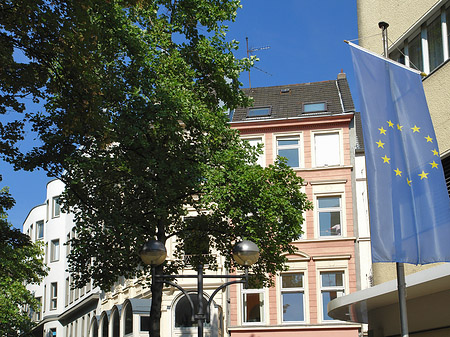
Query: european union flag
[{"x": 408, "y": 200}]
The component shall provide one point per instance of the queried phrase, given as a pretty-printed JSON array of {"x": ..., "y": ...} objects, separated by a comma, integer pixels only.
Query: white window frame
[
  {"x": 330, "y": 209},
  {"x": 56, "y": 207},
  {"x": 340, "y": 147},
  {"x": 261, "y": 292},
  {"x": 292, "y": 290},
  {"x": 55, "y": 252},
  {"x": 323, "y": 289},
  {"x": 53, "y": 295},
  {"x": 299, "y": 146},
  {"x": 262, "y": 158},
  {"x": 40, "y": 223}
]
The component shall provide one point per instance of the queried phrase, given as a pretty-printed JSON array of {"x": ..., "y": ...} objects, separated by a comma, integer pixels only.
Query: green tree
[
  {"x": 134, "y": 96},
  {"x": 21, "y": 263}
]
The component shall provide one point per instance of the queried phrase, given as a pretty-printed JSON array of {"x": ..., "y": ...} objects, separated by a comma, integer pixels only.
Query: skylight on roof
[
  {"x": 259, "y": 112},
  {"x": 314, "y": 107}
]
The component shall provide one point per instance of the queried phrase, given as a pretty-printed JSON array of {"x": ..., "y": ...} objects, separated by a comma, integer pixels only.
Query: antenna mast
[{"x": 249, "y": 51}]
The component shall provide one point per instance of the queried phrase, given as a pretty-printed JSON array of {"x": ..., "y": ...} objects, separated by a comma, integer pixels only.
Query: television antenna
[{"x": 250, "y": 51}]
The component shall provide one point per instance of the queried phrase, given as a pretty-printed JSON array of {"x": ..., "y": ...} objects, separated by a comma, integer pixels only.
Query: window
[
  {"x": 434, "y": 38},
  {"x": 446, "y": 167},
  {"x": 292, "y": 297},
  {"x": 30, "y": 234},
  {"x": 332, "y": 286},
  {"x": 67, "y": 291},
  {"x": 415, "y": 53},
  {"x": 52, "y": 332},
  {"x": 253, "y": 305},
  {"x": 105, "y": 326},
  {"x": 447, "y": 16},
  {"x": 128, "y": 319},
  {"x": 56, "y": 207},
  {"x": 327, "y": 149},
  {"x": 145, "y": 323},
  {"x": 115, "y": 324},
  {"x": 39, "y": 229},
  {"x": 68, "y": 248},
  {"x": 54, "y": 250},
  {"x": 183, "y": 311},
  {"x": 94, "y": 329},
  {"x": 53, "y": 296},
  {"x": 259, "y": 112},
  {"x": 71, "y": 292},
  {"x": 428, "y": 46},
  {"x": 329, "y": 216},
  {"x": 255, "y": 142},
  {"x": 37, "y": 314},
  {"x": 314, "y": 107},
  {"x": 289, "y": 148},
  {"x": 45, "y": 298}
]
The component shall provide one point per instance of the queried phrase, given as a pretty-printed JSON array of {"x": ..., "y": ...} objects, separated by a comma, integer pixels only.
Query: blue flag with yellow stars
[{"x": 408, "y": 199}]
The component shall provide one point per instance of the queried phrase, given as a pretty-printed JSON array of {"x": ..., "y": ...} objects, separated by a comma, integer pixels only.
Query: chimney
[{"x": 341, "y": 75}]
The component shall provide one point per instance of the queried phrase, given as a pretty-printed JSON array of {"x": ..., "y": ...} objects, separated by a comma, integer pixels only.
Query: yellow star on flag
[
  {"x": 390, "y": 124},
  {"x": 386, "y": 159},
  {"x": 382, "y": 131},
  {"x": 398, "y": 172},
  {"x": 423, "y": 175},
  {"x": 434, "y": 164},
  {"x": 399, "y": 127},
  {"x": 380, "y": 144},
  {"x": 429, "y": 139},
  {"x": 435, "y": 153},
  {"x": 408, "y": 181},
  {"x": 415, "y": 129}
]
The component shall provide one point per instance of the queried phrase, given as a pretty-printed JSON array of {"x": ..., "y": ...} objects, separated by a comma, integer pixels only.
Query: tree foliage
[
  {"x": 21, "y": 263},
  {"x": 134, "y": 96}
]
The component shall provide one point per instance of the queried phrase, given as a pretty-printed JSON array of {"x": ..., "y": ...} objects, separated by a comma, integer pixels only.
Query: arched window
[
  {"x": 115, "y": 323},
  {"x": 183, "y": 311},
  {"x": 94, "y": 329},
  {"x": 105, "y": 326},
  {"x": 128, "y": 319}
]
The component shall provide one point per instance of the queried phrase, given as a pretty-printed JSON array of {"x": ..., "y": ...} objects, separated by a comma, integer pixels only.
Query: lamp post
[{"x": 245, "y": 253}]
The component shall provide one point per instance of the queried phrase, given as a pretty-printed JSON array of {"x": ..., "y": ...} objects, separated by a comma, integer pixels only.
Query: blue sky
[{"x": 306, "y": 45}]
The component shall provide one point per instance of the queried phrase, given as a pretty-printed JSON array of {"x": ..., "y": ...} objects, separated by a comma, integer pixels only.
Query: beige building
[{"x": 418, "y": 36}]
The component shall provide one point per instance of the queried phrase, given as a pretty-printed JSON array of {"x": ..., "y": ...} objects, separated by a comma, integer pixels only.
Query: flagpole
[{"x": 401, "y": 281}]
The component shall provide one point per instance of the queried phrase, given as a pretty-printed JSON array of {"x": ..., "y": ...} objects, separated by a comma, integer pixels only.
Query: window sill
[{"x": 324, "y": 239}]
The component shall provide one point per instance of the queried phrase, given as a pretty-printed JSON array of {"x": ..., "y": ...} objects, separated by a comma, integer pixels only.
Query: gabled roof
[{"x": 286, "y": 101}]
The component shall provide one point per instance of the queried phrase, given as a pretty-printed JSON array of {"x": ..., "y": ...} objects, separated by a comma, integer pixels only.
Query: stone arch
[{"x": 297, "y": 256}]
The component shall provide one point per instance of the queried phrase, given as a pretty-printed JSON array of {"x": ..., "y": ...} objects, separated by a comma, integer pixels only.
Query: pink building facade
[{"x": 313, "y": 126}]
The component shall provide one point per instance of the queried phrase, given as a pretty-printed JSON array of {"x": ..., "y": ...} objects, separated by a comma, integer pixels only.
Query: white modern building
[{"x": 63, "y": 311}]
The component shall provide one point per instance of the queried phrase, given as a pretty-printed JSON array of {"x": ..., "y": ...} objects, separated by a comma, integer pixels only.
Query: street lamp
[{"x": 245, "y": 253}]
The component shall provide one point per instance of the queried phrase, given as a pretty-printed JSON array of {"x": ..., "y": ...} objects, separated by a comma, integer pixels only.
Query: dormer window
[
  {"x": 259, "y": 112},
  {"x": 314, "y": 107}
]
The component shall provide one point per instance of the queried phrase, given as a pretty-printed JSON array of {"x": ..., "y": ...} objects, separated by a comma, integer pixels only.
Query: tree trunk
[{"x": 155, "y": 310}]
